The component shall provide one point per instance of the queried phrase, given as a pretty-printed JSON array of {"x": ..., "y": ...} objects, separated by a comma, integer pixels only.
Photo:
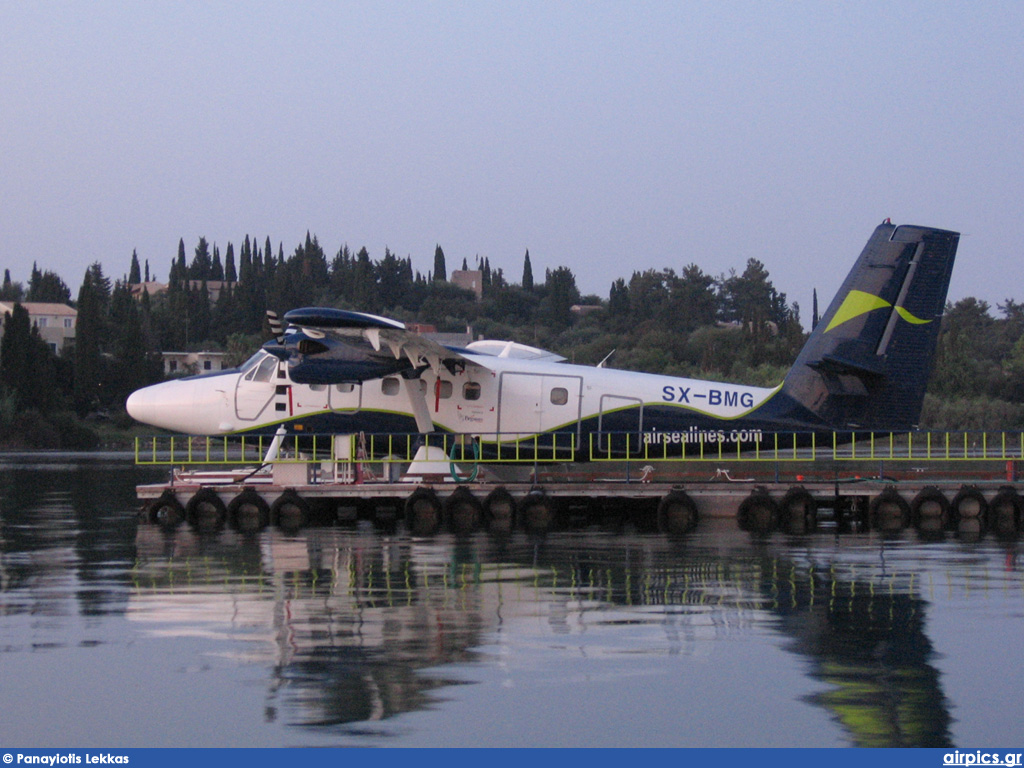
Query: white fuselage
[{"x": 503, "y": 395}]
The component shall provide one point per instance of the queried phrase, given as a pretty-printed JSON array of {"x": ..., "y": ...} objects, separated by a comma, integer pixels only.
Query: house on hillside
[
  {"x": 191, "y": 363},
  {"x": 469, "y": 280},
  {"x": 214, "y": 288},
  {"x": 152, "y": 288},
  {"x": 56, "y": 322}
]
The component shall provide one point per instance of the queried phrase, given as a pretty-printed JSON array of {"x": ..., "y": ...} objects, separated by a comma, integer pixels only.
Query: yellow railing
[
  {"x": 752, "y": 445},
  {"x": 506, "y": 448},
  {"x": 220, "y": 451},
  {"x": 494, "y": 448}
]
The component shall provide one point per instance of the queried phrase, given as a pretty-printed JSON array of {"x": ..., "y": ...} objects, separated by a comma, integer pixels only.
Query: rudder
[{"x": 867, "y": 362}]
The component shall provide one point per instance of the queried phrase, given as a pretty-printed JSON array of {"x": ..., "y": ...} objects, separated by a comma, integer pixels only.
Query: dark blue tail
[{"x": 867, "y": 362}]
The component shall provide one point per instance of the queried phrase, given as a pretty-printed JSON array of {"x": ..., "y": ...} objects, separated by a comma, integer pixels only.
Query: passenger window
[
  {"x": 471, "y": 391},
  {"x": 390, "y": 386},
  {"x": 318, "y": 387},
  {"x": 344, "y": 388},
  {"x": 444, "y": 390},
  {"x": 559, "y": 396}
]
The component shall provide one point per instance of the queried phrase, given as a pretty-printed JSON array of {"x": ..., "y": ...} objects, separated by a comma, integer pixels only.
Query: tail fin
[{"x": 867, "y": 362}]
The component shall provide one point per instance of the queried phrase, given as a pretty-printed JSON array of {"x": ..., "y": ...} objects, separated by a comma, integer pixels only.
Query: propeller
[
  {"x": 313, "y": 357},
  {"x": 276, "y": 328}
]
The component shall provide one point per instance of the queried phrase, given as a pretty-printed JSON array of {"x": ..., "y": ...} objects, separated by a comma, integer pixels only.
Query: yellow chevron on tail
[{"x": 859, "y": 303}]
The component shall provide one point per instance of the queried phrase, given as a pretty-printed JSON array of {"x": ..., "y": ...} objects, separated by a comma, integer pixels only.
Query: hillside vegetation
[{"x": 731, "y": 327}]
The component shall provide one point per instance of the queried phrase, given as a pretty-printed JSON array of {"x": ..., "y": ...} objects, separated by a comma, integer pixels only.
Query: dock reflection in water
[
  {"x": 350, "y": 621},
  {"x": 123, "y": 633}
]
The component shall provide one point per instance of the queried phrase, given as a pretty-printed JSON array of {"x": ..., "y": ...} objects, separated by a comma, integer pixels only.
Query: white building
[
  {"x": 191, "y": 363},
  {"x": 56, "y": 322}
]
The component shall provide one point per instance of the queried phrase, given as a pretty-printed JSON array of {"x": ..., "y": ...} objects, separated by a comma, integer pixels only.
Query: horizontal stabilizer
[{"x": 849, "y": 366}]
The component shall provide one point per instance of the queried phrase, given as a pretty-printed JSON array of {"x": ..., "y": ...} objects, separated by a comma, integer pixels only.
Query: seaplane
[{"x": 329, "y": 371}]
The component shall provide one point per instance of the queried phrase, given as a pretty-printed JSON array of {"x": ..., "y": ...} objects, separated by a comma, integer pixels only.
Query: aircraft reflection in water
[{"x": 348, "y": 620}]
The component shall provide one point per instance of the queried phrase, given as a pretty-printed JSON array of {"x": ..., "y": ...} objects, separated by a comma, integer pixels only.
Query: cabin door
[
  {"x": 255, "y": 391},
  {"x": 531, "y": 403}
]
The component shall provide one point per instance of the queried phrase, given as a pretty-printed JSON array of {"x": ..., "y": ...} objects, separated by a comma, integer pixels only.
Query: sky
[{"x": 609, "y": 137}]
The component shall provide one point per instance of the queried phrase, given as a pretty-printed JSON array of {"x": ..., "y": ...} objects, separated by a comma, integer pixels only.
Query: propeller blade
[{"x": 276, "y": 328}]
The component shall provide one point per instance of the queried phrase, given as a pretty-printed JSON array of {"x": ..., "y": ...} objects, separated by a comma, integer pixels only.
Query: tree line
[{"x": 730, "y": 327}]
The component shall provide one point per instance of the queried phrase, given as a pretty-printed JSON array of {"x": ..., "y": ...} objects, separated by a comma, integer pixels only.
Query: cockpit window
[
  {"x": 251, "y": 362},
  {"x": 265, "y": 370}
]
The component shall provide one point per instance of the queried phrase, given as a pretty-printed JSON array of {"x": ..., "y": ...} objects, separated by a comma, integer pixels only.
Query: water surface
[{"x": 119, "y": 633}]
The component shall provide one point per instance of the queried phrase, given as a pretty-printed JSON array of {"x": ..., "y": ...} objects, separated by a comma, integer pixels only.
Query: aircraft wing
[{"x": 325, "y": 346}]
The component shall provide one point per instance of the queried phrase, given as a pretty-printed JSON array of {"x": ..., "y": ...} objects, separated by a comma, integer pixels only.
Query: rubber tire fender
[
  {"x": 537, "y": 511},
  {"x": 290, "y": 499},
  {"x": 249, "y": 498},
  {"x": 463, "y": 511},
  {"x": 930, "y": 494},
  {"x": 423, "y": 500},
  {"x": 889, "y": 496},
  {"x": 798, "y": 495},
  {"x": 206, "y": 497},
  {"x": 673, "y": 523},
  {"x": 969, "y": 493},
  {"x": 1006, "y": 495},
  {"x": 166, "y": 511},
  {"x": 758, "y": 499},
  {"x": 501, "y": 500}
]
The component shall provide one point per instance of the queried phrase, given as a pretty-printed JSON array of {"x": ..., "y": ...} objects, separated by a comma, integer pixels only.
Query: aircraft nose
[
  {"x": 195, "y": 406},
  {"x": 158, "y": 404},
  {"x": 140, "y": 405}
]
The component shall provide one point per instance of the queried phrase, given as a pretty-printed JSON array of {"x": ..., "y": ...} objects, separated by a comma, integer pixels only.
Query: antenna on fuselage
[{"x": 606, "y": 357}]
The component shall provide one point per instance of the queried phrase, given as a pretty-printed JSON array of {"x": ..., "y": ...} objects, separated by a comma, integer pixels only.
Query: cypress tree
[
  {"x": 229, "y": 264},
  {"x": 527, "y": 272},
  {"x": 129, "y": 344},
  {"x": 200, "y": 267},
  {"x": 11, "y": 291},
  {"x": 88, "y": 329},
  {"x": 216, "y": 268},
  {"x": 134, "y": 272},
  {"x": 198, "y": 313},
  {"x": 245, "y": 263},
  {"x": 269, "y": 265},
  {"x": 440, "y": 271},
  {"x": 15, "y": 353},
  {"x": 26, "y": 363},
  {"x": 179, "y": 270}
]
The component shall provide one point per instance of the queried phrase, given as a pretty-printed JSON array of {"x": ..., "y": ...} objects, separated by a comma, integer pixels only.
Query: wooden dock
[{"x": 670, "y": 497}]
